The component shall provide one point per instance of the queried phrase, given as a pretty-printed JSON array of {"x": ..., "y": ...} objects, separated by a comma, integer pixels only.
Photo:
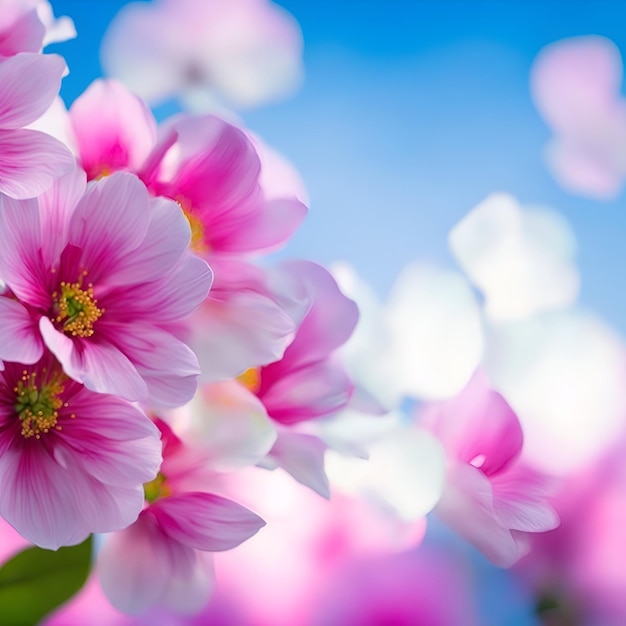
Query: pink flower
[
  {"x": 576, "y": 86},
  {"x": 205, "y": 52},
  {"x": 159, "y": 559},
  {"x": 212, "y": 169},
  {"x": 99, "y": 277},
  {"x": 71, "y": 462},
  {"x": 29, "y": 160},
  {"x": 489, "y": 497}
]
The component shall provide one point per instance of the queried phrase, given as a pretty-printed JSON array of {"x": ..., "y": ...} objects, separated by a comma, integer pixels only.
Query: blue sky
[{"x": 413, "y": 112}]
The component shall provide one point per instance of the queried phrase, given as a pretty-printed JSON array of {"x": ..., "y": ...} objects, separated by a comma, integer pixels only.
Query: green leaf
[{"x": 36, "y": 581}]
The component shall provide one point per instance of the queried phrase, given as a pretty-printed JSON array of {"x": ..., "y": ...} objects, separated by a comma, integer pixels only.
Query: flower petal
[{"x": 20, "y": 339}]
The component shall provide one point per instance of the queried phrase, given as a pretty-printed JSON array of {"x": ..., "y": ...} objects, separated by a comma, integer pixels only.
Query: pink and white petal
[
  {"x": 24, "y": 35},
  {"x": 466, "y": 506},
  {"x": 20, "y": 339},
  {"x": 20, "y": 241},
  {"x": 30, "y": 161},
  {"x": 112, "y": 441},
  {"x": 168, "y": 366},
  {"x": 330, "y": 320},
  {"x": 29, "y": 84},
  {"x": 243, "y": 330},
  {"x": 188, "y": 596},
  {"x": 55, "y": 209},
  {"x": 229, "y": 423},
  {"x": 166, "y": 240},
  {"x": 521, "y": 500},
  {"x": 477, "y": 426},
  {"x": 114, "y": 129},
  {"x": 38, "y": 497},
  {"x": 302, "y": 456},
  {"x": 135, "y": 565},
  {"x": 204, "y": 521},
  {"x": 101, "y": 367},
  {"x": 169, "y": 299},
  {"x": 312, "y": 391},
  {"x": 268, "y": 228},
  {"x": 110, "y": 221}
]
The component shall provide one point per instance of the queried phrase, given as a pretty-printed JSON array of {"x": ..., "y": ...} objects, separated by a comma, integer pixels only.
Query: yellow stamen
[
  {"x": 77, "y": 309},
  {"x": 198, "y": 239},
  {"x": 251, "y": 379},
  {"x": 156, "y": 489},
  {"x": 38, "y": 406}
]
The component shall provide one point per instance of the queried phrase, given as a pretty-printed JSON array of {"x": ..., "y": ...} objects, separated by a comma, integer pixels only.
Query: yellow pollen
[
  {"x": 251, "y": 379},
  {"x": 38, "y": 405},
  {"x": 77, "y": 309},
  {"x": 156, "y": 489},
  {"x": 198, "y": 240}
]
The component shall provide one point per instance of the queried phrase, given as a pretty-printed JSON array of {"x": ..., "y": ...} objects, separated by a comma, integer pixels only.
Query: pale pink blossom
[
  {"x": 29, "y": 160},
  {"x": 206, "y": 53},
  {"x": 576, "y": 85},
  {"x": 160, "y": 559},
  {"x": 99, "y": 276},
  {"x": 490, "y": 497},
  {"x": 72, "y": 462}
]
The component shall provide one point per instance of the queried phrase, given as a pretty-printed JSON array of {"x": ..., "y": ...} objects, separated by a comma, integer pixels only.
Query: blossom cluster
[{"x": 156, "y": 361}]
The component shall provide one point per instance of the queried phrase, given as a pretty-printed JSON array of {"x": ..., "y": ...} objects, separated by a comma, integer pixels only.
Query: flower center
[
  {"x": 38, "y": 406},
  {"x": 198, "y": 240},
  {"x": 251, "y": 379},
  {"x": 156, "y": 489},
  {"x": 77, "y": 309}
]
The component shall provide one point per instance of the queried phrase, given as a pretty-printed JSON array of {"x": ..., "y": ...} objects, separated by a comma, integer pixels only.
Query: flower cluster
[{"x": 155, "y": 360}]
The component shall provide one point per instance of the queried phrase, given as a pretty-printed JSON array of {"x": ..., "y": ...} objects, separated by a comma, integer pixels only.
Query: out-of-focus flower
[
  {"x": 576, "y": 87},
  {"x": 490, "y": 498},
  {"x": 99, "y": 277},
  {"x": 72, "y": 462},
  {"x": 29, "y": 160},
  {"x": 205, "y": 52},
  {"x": 158, "y": 560}
]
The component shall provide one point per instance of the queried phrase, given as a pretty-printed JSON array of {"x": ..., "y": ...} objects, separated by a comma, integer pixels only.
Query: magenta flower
[
  {"x": 490, "y": 497},
  {"x": 100, "y": 277},
  {"x": 160, "y": 558},
  {"x": 71, "y": 462},
  {"x": 29, "y": 160}
]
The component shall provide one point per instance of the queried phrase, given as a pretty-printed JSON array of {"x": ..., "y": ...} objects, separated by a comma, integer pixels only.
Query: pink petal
[
  {"x": 302, "y": 456},
  {"x": 37, "y": 495},
  {"x": 136, "y": 565},
  {"x": 204, "y": 521},
  {"x": 168, "y": 367},
  {"x": 477, "y": 426},
  {"x": 467, "y": 507},
  {"x": 329, "y": 322},
  {"x": 20, "y": 244},
  {"x": 19, "y": 334},
  {"x": 311, "y": 391},
  {"x": 30, "y": 161},
  {"x": 29, "y": 84},
  {"x": 110, "y": 221},
  {"x": 165, "y": 242},
  {"x": 521, "y": 500},
  {"x": 101, "y": 367},
  {"x": 240, "y": 330},
  {"x": 114, "y": 129},
  {"x": 24, "y": 35}
]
